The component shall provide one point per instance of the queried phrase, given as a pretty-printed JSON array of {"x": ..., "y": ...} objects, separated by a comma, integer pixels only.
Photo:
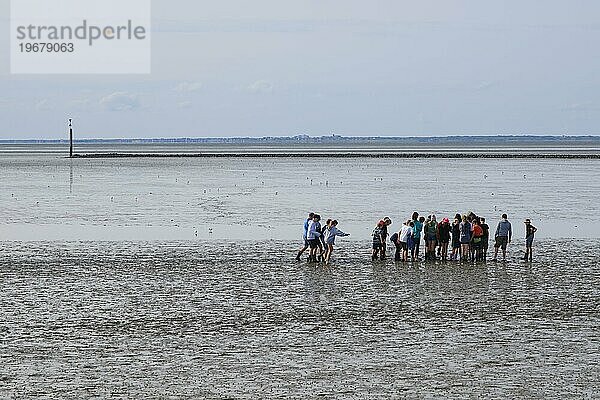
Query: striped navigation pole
[{"x": 70, "y": 138}]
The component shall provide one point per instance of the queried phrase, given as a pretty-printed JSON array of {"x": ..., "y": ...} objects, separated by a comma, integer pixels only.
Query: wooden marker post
[{"x": 70, "y": 138}]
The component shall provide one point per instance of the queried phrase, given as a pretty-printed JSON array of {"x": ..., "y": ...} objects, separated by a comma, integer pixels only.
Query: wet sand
[{"x": 241, "y": 320}]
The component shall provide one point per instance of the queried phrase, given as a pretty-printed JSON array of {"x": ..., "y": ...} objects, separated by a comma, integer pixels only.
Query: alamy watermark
[{"x": 75, "y": 36}]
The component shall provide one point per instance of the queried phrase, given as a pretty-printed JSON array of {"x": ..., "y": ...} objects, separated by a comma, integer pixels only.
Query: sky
[{"x": 345, "y": 67}]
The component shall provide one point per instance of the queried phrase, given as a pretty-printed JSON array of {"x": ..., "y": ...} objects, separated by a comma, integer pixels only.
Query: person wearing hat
[{"x": 530, "y": 231}]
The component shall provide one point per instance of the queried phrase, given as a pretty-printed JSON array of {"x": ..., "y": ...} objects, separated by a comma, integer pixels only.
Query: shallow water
[
  {"x": 47, "y": 197},
  {"x": 240, "y": 320}
]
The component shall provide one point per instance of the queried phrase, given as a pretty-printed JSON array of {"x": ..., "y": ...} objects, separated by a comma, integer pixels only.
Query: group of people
[
  {"x": 465, "y": 239},
  {"x": 468, "y": 235},
  {"x": 319, "y": 239}
]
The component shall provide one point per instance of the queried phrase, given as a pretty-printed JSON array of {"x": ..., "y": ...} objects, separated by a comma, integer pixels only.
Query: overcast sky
[{"x": 272, "y": 67}]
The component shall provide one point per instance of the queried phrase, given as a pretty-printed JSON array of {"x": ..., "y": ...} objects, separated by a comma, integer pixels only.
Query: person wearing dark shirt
[
  {"x": 377, "y": 240},
  {"x": 530, "y": 231},
  {"x": 444, "y": 229},
  {"x": 485, "y": 245},
  {"x": 455, "y": 238}
]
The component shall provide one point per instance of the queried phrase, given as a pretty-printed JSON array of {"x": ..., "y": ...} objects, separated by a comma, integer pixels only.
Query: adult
[{"x": 503, "y": 237}]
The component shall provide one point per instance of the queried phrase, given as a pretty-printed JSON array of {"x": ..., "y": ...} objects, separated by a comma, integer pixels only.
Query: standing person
[
  {"x": 304, "y": 234},
  {"x": 431, "y": 233},
  {"x": 477, "y": 240},
  {"x": 405, "y": 235},
  {"x": 411, "y": 241},
  {"x": 395, "y": 238},
  {"x": 486, "y": 239},
  {"x": 384, "y": 234},
  {"x": 503, "y": 237},
  {"x": 417, "y": 229},
  {"x": 314, "y": 232},
  {"x": 377, "y": 240},
  {"x": 465, "y": 238},
  {"x": 444, "y": 230},
  {"x": 530, "y": 231},
  {"x": 322, "y": 245},
  {"x": 330, "y": 233},
  {"x": 455, "y": 238}
]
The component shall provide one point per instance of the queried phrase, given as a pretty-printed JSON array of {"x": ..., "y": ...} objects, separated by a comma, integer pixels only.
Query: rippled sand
[{"x": 241, "y": 320}]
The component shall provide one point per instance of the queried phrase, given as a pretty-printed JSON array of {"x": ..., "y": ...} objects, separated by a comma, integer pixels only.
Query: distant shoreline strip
[{"x": 343, "y": 155}]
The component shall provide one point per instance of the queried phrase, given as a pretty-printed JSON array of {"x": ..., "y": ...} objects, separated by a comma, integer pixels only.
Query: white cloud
[
  {"x": 120, "y": 101},
  {"x": 188, "y": 87},
  {"x": 81, "y": 104},
  {"x": 184, "y": 104},
  {"x": 261, "y": 86}
]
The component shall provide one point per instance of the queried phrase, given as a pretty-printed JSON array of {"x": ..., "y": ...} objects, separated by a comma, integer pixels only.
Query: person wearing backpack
[
  {"x": 477, "y": 240},
  {"x": 431, "y": 235}
]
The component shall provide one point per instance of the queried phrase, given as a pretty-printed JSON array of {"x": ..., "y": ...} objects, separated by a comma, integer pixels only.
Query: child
[
  {"x": 455, "y": 238},
  {"x": 330, "y": 233},
  {"x": 411, "y": 241},
  {"x": 314, "y": 232},
  {"x": 444, "y": 230},
  {"x": 465, "y": 238},
  {"x": 530, "y": 231},
  {"x": 377, "y": 240},
  {"x": 486, "y": 239},
  {"x": 405, "y": 233},
  {"x": 384, "y": 235},
  {"x": 304, "y": 234},
  {"x": 477, "y": 240}
]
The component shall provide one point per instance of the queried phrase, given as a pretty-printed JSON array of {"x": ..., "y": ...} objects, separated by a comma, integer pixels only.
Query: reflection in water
[
  {"x": 70, "y": 176},
  {"x": 237, "y": 320}
]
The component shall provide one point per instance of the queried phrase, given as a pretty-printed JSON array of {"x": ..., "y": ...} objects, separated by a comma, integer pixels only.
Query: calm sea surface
[{"x": 157, "y": 278}]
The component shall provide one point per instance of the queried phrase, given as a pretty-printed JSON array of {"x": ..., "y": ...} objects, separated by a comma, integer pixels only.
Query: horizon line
[{"x": 305, "y": 137}]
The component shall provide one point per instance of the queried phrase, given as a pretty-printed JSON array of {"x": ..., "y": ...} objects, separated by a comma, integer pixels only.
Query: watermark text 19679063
[{"x": 79, "y": 37}]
